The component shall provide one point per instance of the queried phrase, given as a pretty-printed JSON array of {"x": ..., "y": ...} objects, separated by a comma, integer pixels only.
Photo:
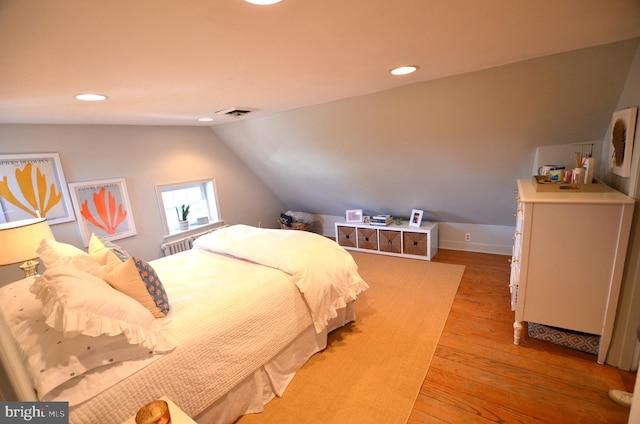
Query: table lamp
[{"x": 19, "y": 242}]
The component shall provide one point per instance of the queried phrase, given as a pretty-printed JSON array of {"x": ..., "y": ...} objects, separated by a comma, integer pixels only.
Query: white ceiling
[{"x": 168, "y": 62}]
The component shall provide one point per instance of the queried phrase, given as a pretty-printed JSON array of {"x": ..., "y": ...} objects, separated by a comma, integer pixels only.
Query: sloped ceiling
[
  {"x": 166, "y": 62},
  {"x": 452, "y": 147},
  {"x": 331, "y": 129}
]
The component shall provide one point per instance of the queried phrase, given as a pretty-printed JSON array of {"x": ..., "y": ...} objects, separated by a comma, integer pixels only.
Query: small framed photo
[
  {"x": 354, "y": 215},
  {"x": 623, "y": 126},
  {"x": 103, "y": 208},
  {"x": 416, "y": 218}
]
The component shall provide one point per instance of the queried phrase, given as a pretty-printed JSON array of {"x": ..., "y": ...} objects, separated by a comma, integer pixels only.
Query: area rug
[{"x": 372, "y": 370}]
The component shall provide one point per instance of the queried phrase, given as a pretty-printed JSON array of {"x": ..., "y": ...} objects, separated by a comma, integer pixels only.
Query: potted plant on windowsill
[{"x": 183, "y": 215}]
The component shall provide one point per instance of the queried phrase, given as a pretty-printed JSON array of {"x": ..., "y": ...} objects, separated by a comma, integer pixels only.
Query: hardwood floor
[{"x": 479, "y": 376}]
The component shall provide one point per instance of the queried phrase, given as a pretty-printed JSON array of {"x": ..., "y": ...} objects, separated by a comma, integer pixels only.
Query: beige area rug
[{"x": 372, "y": 370}]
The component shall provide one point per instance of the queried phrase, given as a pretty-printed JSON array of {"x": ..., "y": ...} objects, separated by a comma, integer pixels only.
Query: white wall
[
  {"x": 624, "y": 340},
  {"x": 453, "y": 147},
  {"x": 145, "y": 156}
]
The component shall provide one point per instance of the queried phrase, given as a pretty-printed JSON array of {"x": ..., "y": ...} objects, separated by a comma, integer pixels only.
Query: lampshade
[{"x": 19, "y": 240}]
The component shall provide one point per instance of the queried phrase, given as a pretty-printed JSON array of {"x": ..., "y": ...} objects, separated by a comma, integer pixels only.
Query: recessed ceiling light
[
  {"x": 91, "y": 97},
  {"x": 205, "y": 119},
  {"x": 404, "y": 70},
  {"x": 263, "y": 2}
]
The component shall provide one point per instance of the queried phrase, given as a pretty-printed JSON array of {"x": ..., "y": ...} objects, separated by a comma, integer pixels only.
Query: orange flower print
[{"x": 106, "y": 210}]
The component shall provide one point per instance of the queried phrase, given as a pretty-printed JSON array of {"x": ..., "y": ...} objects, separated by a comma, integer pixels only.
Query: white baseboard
[
  {"x": 495, "y": 239},
  {"x": 475, "y": 247}
]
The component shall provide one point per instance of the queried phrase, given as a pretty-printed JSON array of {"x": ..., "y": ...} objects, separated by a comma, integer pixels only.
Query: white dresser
[{"x": 568, "y": 257}]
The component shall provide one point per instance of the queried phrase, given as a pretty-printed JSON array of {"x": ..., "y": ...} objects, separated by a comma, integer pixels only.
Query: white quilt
[
  {"x": 325, "y": 273},
  {"x": 229, "y": 318}
]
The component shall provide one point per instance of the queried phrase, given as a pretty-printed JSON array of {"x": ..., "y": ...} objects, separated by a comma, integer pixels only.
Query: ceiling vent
[{"x": 234, "y": 111}]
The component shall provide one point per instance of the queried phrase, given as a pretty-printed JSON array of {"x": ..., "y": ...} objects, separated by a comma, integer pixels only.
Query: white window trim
[{"x": 194, "y": 228}]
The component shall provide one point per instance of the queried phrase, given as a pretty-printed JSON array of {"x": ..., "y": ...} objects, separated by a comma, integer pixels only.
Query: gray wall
[
  {"x": 452, "y": 147},
  {"x": 145, "y": 156},
  {"x": 628, "y": 316}
]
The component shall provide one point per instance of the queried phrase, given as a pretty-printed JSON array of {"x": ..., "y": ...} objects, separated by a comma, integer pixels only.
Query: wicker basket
[
  {"x": 367, "y": 239},
  {"x": 415, "y": 244},
  {"x": 390, "y": 241},
  {"x": 346, "y": 236},
  {"x": 302, "y": 226}
]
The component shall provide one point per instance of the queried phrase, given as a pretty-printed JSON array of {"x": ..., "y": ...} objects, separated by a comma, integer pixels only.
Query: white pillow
[
  {"x": 75, "y": 302},
  {"x": 54, "y": 253},
  {"x": 51, "y": 359}
]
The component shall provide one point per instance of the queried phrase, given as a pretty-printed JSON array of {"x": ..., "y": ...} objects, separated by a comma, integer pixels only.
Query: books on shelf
[{"x": 382, "y": 220}]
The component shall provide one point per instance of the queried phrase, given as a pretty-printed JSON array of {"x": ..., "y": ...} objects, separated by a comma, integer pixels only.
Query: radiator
[{"x": 185, "y": 243}]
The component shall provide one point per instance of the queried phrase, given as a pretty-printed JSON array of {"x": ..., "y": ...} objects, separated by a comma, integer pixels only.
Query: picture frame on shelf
[
  {"x": 353, "y": 215},
  {"x": 621, "y": 138},
  {"x": 33, "y": 186},
  {"x": 416, "y": 218},
  {"x": 103, "y": 208}
]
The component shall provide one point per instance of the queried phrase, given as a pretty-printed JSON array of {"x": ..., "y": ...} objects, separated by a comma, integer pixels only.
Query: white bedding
[
  {"x": 49, "y": 369},
  {"x": 230, "y": 317},
  {"x": 249, "y": 314},
  {"x": 327, "y": 282}
]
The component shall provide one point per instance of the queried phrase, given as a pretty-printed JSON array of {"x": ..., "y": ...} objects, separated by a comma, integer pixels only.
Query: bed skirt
[{"x": 271, "y": 380}]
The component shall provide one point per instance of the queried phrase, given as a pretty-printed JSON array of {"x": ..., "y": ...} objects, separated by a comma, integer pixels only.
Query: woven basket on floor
[{"x": 294, "y": 226}]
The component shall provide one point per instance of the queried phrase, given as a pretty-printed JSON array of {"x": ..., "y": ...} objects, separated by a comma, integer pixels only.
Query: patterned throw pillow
[
  {"x": 137, "y": 279},
  {"x": 99, "y": 249}
]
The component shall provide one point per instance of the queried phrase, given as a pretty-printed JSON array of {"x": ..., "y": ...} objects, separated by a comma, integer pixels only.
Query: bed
[{"x": 223, "y": 330}]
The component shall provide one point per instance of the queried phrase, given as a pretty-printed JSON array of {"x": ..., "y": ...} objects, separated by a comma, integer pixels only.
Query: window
[{"x": 199, "y": 195}]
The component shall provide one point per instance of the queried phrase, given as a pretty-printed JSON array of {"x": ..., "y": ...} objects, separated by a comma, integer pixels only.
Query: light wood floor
[{"x": 479, "y": 376}]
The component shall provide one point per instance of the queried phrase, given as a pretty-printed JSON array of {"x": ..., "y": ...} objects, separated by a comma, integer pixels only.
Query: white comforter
[
  {"x": 229, "y": 318},
  {"x": 325, "y": 273}
]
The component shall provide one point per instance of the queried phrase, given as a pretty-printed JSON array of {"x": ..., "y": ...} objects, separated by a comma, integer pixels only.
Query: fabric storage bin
[
  {"x": 367, "y": 239},
  {"x": 415, "y": 244},
  {"x": 347, "y": 236},
  {"x": 584, "y": 342},
  {"x": 390, "y": 241}
]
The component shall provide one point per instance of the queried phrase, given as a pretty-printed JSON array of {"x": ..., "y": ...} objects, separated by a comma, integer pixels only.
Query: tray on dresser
[{"x": 542, "y": 183}]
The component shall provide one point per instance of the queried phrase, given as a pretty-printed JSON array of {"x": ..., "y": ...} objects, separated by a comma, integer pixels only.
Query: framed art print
[
  {"x": 354, "y": 215},
  {"x": 623, "y": 125},
  {"x": 32, "y": 186},
  {"x": 416, "y": 218},
  {"x": 103, "y": 208}
]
